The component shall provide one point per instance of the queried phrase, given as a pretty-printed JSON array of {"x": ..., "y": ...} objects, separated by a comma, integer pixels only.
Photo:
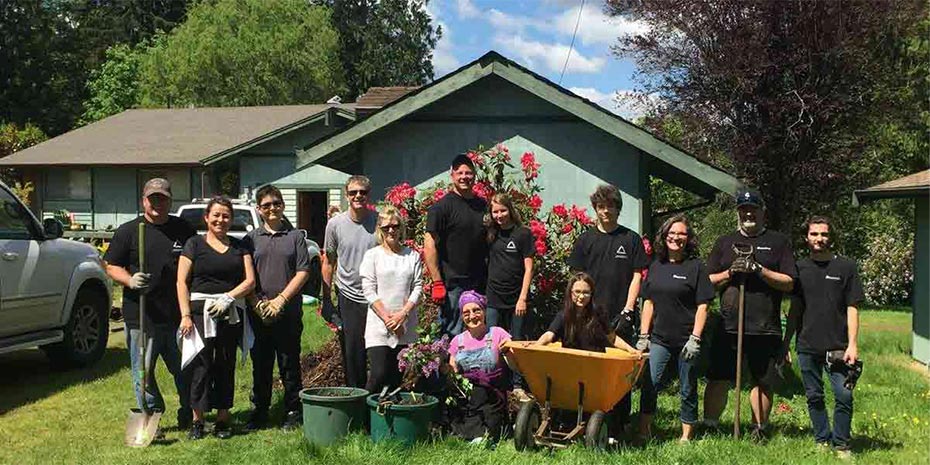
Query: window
[
  {"x": 242, "y": 219},
  {"x": 14, "y": 221},
  {"x": 68, "y": 184},
  {"x": 180, "y": 180}
]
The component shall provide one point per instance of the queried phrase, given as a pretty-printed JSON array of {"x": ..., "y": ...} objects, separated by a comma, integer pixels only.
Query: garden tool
[
  {"x": 741, "y": 250},
  {"x": 142, "y": 424}
]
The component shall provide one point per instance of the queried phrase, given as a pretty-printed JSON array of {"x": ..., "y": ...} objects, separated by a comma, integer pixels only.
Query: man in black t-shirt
[
  {"x": 767, "y": 274},
  {"x": 455, "y": 245},
  {"x": 614, "y": 256},
  {"x": 165, "y": 236},
  {"x": 824, "y": 312}
]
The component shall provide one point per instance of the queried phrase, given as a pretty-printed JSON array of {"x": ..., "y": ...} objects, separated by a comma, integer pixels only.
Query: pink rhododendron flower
[
  {"x": 475, "y": 158},
  {"x": 530, "y": 167},
  {"x": 541, "y": 247},
  {"x": 546, "y": 284},
  {"x": 483, "y": 190},
  {"x": 560, "y": 211},
  {"x": 568, "y": 228},
  {"x": 535, "y": 203},
  {"x": 439, "y": 194},
  {"x": 400, "y": 193},
  {"x": 538, "y": 229},
  {"x": 647, "y": 246},
  {"x": 580, "y": 215}
]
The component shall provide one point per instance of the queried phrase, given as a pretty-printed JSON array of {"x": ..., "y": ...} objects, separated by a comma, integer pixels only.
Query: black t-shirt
[
  {"x": 213, "y": 272},
  {"x": 676, "y": 289},
  {"x": 583, "y": 341},
  {"x": 772, "y": 250},
  {"x": 163, "y": 244},
  {"x": 823, "y": 292},
  {"x": 506, "y": 267},
  {"x": 457, "y": 224},
  {"x": 611, "y": 259}
]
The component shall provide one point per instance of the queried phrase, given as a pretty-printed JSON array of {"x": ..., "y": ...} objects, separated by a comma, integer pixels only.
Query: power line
[{"x": 570, "y": 47}]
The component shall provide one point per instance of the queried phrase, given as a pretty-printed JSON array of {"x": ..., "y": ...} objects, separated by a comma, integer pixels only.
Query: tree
[
  {"x": 114, "y": 86},
  {"x": 788, "y": 90},
  {"x": 384, "y": 42},
  {"x": 244, "y": 52}
]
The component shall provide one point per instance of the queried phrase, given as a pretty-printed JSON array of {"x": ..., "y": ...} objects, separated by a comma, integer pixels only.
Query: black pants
[
  {"x": 281, "y": 341},
  {"x": 213, "y": 370},
  {"x": 384, "y": 370},
  {"x": 625, "y": 327},
  {"x": 352, "y": 341}
]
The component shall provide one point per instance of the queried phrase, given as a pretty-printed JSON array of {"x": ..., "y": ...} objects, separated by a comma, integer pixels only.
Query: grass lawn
[{"x": 53, "y": 417}]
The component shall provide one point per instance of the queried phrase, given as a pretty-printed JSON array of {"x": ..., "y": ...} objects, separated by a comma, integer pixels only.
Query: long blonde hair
[{"x": 385, "y": 215}]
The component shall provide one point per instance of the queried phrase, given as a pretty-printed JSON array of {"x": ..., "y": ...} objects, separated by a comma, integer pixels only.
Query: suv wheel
[{"x": 86, "y": 332}]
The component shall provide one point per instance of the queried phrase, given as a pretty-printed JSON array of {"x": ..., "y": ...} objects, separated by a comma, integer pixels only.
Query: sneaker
[
  {"x": 222, "y": 430},
  {"x": 185, "y": 418},
  {"x": 197, "y": 431},
  {"x": 844, "y": 454},
  {"x": 823, "y": 447},
  {"x": 293, "y": 420},
  {"x": 258, "y": 420}
]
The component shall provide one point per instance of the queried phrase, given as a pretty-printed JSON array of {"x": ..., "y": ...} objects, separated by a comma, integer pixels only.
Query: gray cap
[{"x": 157, "y": 186}]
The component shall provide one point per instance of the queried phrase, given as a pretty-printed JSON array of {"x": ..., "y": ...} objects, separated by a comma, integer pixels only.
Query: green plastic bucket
[
  {"x": 330, "y": 413},
  {"x": 401, "y": 422}
]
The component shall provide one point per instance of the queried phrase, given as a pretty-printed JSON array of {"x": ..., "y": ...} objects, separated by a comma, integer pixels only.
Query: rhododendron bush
[{"x": 555, "y": 230}]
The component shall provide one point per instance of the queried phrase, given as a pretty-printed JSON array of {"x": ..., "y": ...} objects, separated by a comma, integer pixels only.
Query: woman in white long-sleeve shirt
[{"x": 392, "y": 282}]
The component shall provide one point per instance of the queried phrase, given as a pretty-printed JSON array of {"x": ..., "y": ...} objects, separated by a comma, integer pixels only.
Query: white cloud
[
  {"x": 508, "y": 22},
  {"x": 552, "y": 56},
  {"x": 467, "y": 9},
  {"x": 595, "y": 27},
  {"x": 444, "y": 59},
  {"x": 623, "y": 102}
]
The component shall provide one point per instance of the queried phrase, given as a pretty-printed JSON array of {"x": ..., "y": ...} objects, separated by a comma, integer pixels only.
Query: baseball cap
[
  {"x": 460, "y": 160},
  {"x": 749, "y": 197},
  {"x": 157, "y": 186}
]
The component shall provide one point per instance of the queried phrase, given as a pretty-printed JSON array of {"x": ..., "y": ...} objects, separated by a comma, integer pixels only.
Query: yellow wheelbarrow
[{"x": 590, "y": 383}]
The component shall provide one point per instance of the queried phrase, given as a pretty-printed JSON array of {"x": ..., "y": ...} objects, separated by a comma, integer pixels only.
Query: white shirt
[{"x": 394, "y": 279}]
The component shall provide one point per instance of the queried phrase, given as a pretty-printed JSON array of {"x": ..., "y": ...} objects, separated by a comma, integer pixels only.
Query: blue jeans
[
  {"x": 812, "y": 369},
  {"x": 162, "y": 341},
  {"x": 660, "y": 360},
  {"x": 450, "y": 318},
  {"x": 513, "y": 324}
]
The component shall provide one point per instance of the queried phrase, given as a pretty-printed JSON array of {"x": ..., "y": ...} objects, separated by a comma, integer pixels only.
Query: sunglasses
[
  {"x": 273, "y": 204},
  {"x": 354, "y": 192},
  {"x": 390, "y": 227}
]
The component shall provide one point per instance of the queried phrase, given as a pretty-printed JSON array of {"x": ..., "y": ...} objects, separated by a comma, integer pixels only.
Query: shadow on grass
[{"x": 28, "y": 375}]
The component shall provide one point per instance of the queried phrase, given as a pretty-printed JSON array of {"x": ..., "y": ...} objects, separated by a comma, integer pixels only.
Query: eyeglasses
[
  {"x": 270, "y": 205},
  {"x": 354, "y": 192},
  {"x": 390, "y": 227}
]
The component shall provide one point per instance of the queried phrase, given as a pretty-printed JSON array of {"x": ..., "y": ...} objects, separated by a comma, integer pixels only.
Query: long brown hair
[
  {"x": 586, "y": 327},
  {"x": 507, "y": 201},
  {"x": 691, "y": 247}
]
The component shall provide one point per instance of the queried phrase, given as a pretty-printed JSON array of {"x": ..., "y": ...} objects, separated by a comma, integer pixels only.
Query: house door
[{"x": 311, "y": 213}]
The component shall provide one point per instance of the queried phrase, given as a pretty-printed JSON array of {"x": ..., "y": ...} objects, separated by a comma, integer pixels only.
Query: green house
[
  {"x": 392, "y": 134},
  {"x": 917, "y": 187}
]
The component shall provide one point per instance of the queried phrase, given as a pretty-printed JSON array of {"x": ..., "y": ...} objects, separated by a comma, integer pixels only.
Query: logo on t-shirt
[
  {"x": 511, "y": 246},
  {"x": 621, "y": 252},
  {"x": 764, "y": 247},
  {"x": 832, "y": 278},
  {"x": 678, "y": 276}
]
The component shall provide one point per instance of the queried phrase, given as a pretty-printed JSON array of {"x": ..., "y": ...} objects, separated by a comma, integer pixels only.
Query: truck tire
[{"x": 86, "y": 333}]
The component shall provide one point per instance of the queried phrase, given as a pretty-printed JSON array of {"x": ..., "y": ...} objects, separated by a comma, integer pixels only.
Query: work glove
[
  {"x": 643, "y": 343},
  {"x": 745, "y": 265},
  {"x": 438, "y": 292},
  {"x": 140, "y": 281},
  {"x": 692, "y": 349},
  {"x": 220, "y": 307}
]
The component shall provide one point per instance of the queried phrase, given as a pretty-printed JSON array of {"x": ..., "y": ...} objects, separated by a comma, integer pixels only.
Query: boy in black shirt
[
  {"x": 614, "y": 256},
  {"x": 768, "y": 273},
  {"x": 165, "y": 236},
  {"x": 823, "y": 310}
]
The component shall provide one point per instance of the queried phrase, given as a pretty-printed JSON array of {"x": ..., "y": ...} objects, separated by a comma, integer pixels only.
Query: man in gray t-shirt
[{"x": 348, "y": 236}]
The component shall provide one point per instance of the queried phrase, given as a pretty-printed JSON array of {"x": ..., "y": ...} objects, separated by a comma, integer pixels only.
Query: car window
[
  {"x": 194, "y": 216},
  {"x": 14, "y": 221}
]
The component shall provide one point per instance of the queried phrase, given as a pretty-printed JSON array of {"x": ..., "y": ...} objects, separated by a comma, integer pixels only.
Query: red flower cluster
[
  {"x": 439, "y": 194},
  {"x": 560, "y": 211},
  {"x": 546, "y": 284},
  {"x": 647, "y": 246},
  {"x": 475, "y": 158},
  {"x": 580, "y": 215},
  {"x": 783, "y": 408},
  {"x": 535, "y": 203},
  {"x": 530, "y": 167},
  {"x": 538, "y": 229},
  {"x": 568, "y": 228},
  {"x": 400, "y": 193},
  {"x": 483, "y": 190}
]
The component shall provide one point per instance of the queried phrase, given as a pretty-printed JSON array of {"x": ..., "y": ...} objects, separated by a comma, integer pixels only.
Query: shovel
[
  {"x": 741, "y": 251},
  {"x": 142, "y": 424}
]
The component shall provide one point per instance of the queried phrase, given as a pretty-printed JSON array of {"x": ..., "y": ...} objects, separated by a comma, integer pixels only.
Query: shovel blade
[{"x": 141, "y": 427}]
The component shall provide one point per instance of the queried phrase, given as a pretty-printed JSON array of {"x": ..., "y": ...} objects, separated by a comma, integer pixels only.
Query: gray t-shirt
[
  {"x": 347, "y": 242},
  {"x": 278, "y": 257}
]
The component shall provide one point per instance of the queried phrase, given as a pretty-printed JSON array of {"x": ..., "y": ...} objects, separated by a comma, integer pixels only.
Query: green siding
[
  {"x": 921, "y": 343},
  {"x": 259, "y": 170},
  {"x": 115, "y": 198}
]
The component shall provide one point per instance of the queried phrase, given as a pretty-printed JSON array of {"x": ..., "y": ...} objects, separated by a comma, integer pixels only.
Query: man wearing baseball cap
[
  {"x": 165, "y": 236},
  {"x": 767, "y": 273}
]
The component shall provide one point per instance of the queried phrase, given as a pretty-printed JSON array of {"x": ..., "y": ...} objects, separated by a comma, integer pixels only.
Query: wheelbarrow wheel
[
  {"x": 524, "y": 430},
  {"x": 595, "y": 436}
]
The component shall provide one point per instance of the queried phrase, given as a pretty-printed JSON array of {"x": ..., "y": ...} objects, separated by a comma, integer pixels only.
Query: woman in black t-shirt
[
  {"x": 581, "y": 324},
  {"x": 214, "y": 275},
  {"x": 676, "y": 294}
]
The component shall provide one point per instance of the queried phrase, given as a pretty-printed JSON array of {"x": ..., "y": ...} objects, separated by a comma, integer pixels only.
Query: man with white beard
[{"x": 767, "y": 273}]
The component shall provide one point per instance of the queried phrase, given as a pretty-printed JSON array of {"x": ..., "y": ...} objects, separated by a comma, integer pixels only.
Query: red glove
[{"x": 438, "y": 292}]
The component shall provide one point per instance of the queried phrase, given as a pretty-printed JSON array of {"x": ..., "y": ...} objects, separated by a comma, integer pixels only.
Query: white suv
[{"x": 54, "y": 292}]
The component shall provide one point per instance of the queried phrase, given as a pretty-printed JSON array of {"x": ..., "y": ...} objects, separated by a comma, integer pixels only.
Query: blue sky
[{"x": 537, "y": 34}]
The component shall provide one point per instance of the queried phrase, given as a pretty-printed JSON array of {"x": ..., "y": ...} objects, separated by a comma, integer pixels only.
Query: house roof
[
  {"x": 695, "y": 175},
  {"x": 175, "y": 136},
  {"x": 913, "y": 185},
  {"x": 377, "y": 97}
]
